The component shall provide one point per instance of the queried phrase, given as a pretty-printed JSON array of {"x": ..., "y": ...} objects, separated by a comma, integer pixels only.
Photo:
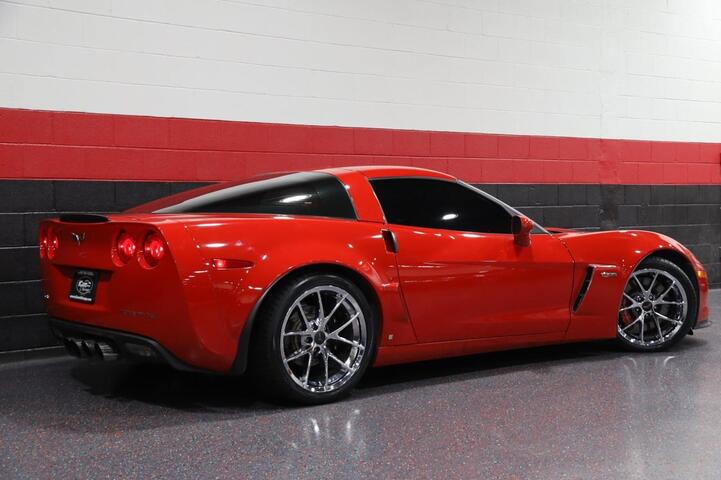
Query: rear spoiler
[{"x": 83, "y": 218}]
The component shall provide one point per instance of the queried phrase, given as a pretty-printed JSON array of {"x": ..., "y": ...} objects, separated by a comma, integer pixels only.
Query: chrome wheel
[
  {"x": 323, "y": 338},
  {"x": 653, "y": 309}
]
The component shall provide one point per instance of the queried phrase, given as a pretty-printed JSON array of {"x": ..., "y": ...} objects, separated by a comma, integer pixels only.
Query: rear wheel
[
  {"x": 315, "y": 340},
  {"x": 658, "y": 307}
]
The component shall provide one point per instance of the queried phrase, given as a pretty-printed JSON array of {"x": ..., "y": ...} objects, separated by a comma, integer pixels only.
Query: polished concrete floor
[{"x": 575, "y": 411}]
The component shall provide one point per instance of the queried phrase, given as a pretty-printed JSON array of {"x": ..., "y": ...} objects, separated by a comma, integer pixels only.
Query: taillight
[
  {"x": 43, "y": 242},
  {"x": 51, "y": 243},
  {"x": 153, "y": 249},
  {"x": 125, "y": 247}
]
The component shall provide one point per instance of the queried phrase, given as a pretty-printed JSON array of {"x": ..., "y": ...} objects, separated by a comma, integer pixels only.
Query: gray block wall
[{"x": 689, "y": 213}]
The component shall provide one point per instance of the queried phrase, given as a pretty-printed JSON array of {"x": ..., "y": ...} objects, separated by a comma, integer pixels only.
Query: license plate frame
[{"x": 84, "y": 286}]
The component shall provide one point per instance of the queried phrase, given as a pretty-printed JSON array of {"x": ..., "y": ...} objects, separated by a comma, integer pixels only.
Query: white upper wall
[{"x": 641, "y": 69}]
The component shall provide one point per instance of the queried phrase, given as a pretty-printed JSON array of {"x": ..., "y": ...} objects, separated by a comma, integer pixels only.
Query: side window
[
  {"x": 441, "y": 204},
  {"x": 312, "y": 193}
]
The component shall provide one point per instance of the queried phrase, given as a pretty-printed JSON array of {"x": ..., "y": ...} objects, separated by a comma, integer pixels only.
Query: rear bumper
[{"x": 127, "y": 345}]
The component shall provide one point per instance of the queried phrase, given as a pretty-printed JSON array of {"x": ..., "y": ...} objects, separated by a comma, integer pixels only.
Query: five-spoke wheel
[{"x": 658, "y": 305}]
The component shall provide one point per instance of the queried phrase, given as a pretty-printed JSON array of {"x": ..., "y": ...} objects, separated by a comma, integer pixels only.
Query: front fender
[{"x": 614, "y": 255}]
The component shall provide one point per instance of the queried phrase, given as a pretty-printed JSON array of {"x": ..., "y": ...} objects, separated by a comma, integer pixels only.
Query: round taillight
[
  {"x": 153, "y": 249},
  {"x": 51, "y": 243},
  {"x": 125, "y": 247}
]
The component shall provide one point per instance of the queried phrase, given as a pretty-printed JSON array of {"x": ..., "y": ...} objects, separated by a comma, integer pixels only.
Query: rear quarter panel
[{"x": 278, "y": 245}]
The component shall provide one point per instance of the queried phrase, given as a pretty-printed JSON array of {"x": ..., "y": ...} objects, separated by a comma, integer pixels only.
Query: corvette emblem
[{"x": 78, "y": 237}]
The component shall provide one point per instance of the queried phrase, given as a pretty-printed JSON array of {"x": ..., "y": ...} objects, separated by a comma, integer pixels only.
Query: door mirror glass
[{"x": 522, "y": 227}]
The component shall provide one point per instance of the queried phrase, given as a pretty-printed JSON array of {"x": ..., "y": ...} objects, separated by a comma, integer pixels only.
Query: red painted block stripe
[{"x": 67, "y": 145}]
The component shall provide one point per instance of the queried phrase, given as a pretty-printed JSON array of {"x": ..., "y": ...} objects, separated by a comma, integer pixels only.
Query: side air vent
[
  {"x": 584, "y": 288},
  {"x": 83, "y": 218}
]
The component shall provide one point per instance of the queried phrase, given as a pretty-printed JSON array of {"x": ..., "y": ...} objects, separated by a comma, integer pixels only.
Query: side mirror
[{"x": 522, "y": 227}]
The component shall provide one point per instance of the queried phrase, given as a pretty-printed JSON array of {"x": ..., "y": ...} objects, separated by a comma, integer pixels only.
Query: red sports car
[{"x": 305, "y": 279}]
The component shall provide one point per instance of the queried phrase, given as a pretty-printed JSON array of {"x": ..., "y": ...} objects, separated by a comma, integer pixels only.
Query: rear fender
[{"x": 277, "y": 248}]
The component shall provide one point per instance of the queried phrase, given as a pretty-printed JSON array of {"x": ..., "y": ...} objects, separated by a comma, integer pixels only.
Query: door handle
[{"x": 390, "y": 240}]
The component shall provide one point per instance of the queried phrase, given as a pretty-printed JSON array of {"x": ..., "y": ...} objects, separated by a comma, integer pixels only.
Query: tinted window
[
  {"x": 310, "y": 193},
  {"x": 439, "y": 204}
]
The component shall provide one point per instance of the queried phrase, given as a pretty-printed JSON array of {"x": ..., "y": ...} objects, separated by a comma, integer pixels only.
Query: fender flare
[{"x": 240, "y": 363}]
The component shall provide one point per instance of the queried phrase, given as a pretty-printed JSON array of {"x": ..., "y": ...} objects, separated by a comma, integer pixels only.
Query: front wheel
[
  {"x": 316, "y": 338},
  {"x": 658, "y": 308}
]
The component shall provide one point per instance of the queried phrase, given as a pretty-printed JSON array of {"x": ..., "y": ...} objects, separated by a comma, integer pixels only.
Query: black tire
[
  {"x": 683, "y": 282},
  {"x": 267, "y": 365}
]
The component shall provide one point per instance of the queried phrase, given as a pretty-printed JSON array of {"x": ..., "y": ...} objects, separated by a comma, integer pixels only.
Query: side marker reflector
[{"x": 229, "y": 263}]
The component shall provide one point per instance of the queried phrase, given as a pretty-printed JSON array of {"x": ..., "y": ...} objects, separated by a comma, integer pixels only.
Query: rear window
[{"x": 306, "y": 193}]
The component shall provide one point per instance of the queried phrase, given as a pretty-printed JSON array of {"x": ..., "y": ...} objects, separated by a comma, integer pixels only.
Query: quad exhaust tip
[
  {"x": 74, "y": 347},
  {"x": 90, "y": 349},
  {"x": 105, "y": 351}
]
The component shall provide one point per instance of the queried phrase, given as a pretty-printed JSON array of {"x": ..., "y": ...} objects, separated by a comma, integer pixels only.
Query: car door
[{"x": 461, "y": 273}]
